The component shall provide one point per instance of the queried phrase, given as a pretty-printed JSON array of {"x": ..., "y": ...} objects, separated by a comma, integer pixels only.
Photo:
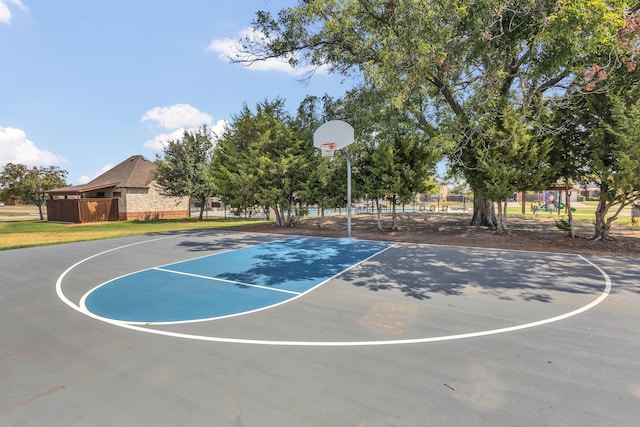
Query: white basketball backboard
[{"x": 333, "y": 135}]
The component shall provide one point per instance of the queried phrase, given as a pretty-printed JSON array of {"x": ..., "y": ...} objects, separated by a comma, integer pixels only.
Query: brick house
[{"x": 126, "y": 192}]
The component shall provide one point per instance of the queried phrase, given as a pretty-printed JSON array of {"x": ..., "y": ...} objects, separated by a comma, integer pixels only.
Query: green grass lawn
[
  {"x": 586, "y": 213},
  {"x": 21, "y": 234},
  {"x": 12, "y": 214}
]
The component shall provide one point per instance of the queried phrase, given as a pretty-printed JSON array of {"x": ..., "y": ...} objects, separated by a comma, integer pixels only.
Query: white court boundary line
[{"x": 62, "y": 296}]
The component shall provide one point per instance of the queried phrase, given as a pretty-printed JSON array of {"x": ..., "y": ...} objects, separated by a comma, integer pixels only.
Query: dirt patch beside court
[{"x": 525, "y": 233}]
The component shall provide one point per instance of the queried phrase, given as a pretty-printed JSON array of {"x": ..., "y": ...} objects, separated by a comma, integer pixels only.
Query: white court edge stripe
[
  {"x": 587, "y": 307},
  {"x": 233, "y": 282}
]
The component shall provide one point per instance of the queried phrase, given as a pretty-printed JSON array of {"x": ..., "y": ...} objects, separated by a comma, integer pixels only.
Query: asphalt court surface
[{"x": 401, "y": 335}]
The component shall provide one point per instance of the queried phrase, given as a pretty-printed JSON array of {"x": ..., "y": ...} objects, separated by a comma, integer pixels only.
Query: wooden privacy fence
[{"x": 82, "y": 210}]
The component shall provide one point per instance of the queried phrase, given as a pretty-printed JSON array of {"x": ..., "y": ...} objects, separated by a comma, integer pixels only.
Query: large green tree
[
  {"x": 508, "y": 156},
  {"x": 569, "y": 153},
  {"x": 234, "y": 173},
  {"x": 261, "y": 160},
  {"x": 185, "y": 167},
  {"x": 18, "y": 182},
  {"x": 394, "y": 157},
  {"x": 474, "y": 59},
  {"x": 607, "y": 125}
]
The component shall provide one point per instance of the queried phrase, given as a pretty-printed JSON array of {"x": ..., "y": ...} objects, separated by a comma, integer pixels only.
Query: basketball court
[{"x": 224, "y": 328}]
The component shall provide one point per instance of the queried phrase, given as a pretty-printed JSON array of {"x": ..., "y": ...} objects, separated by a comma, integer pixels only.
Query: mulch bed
[{"x": 525, "y": 233}]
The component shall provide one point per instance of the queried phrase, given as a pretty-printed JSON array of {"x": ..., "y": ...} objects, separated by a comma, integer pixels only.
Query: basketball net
[{"x": 328, "y": 149}]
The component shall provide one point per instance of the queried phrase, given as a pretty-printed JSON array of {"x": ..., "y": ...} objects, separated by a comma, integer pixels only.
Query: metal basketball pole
[{"x": 348, "y": 193}]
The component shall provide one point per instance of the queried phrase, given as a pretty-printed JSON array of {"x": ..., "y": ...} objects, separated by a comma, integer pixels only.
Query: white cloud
[
  {"x": 84, "y": 179},
  {"x": 5, "y": 12},
  {"x": 159, "y": 141},
  {"x": 16, "y": 148},
  {"x": 230, "y": 49},
  {"x": 219, "y": 127},
  {"x": 176, "y": 116}
]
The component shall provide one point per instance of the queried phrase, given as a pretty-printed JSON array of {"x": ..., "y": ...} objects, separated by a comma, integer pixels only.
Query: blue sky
[{"x": 85, "y": 84}]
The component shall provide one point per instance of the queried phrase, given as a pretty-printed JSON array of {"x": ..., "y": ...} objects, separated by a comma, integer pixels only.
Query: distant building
[{"x": 126, "y": 192}]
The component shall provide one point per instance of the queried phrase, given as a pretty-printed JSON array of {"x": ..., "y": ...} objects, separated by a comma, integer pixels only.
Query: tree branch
[
  {"x": 445, "y": 90},
  {"x": 549, "y": 83}
]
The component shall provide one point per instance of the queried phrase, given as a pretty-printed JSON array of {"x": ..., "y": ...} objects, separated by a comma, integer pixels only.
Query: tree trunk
[
  {"x": 567, "y": 203},
  {"x": 203, "y": 201},
  {"x": 394, "y": 216},
  {"x": 40, "y": 202},
  {"x": 40, "y": 211},
  {"x": 601, "y": 225},
  {"x": 321, "y": 218},
  {"x": 289, "y": 219},
  {"x": 501, "y": 222},
  {"x": 483, "y": 212},
  {"x": 379, "y": 214},
  {"x": 279, "y": 218},
  {"x": 602, "y": 230}
]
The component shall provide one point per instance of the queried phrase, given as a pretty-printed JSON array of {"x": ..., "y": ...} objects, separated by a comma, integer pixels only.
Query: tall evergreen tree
[
  {"x": 261, "y": 159},
  {"x": 606, "y": 123},
  {"x": 185, "y": 168},
  {"x": 394, "y": 156}
]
